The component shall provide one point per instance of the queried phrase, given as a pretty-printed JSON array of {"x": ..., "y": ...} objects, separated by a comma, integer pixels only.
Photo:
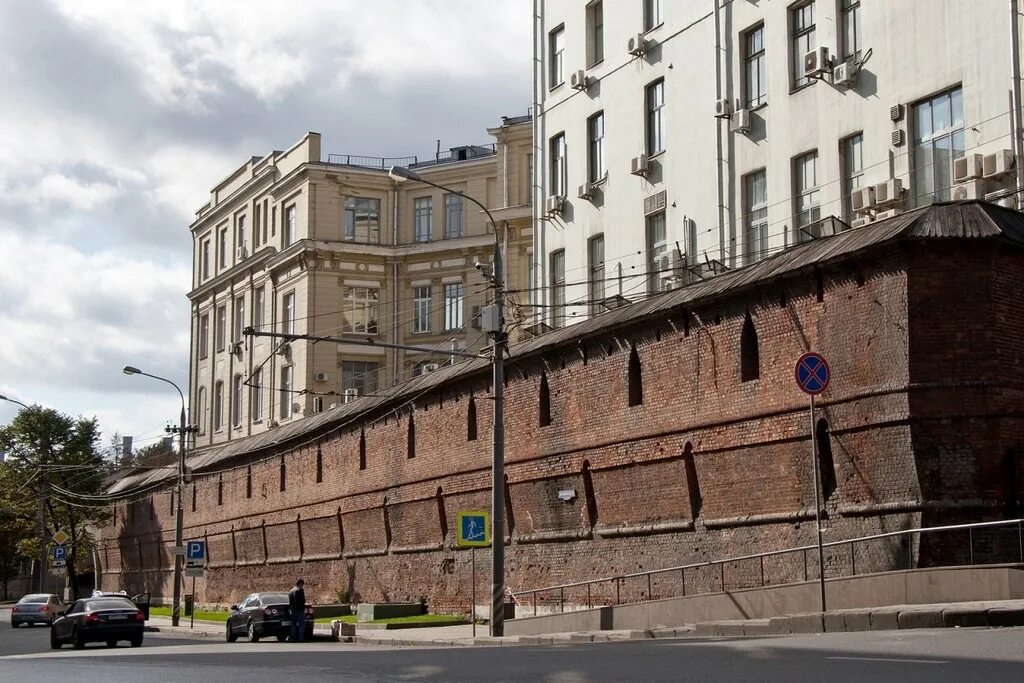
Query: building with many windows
[
  {"x": 292, "y": 244},
  {"x": 678, "y": 139}
]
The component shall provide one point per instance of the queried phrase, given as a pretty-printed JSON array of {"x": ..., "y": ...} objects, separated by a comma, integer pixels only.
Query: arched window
[
  {"x": 750, "y": 355},
  {"x": 410, "y": 446},
  {"x": 362, "y": 449},
  {"x": 544, "y": 402},
  {"x": 218, "y": 406},
  {"x": 471, "y": 420},
  {"x": 692, "y": 483},
  {"x": 201, "y": 415},
  {"x": 284, "y": 475},
  {"x": 319, "y": 465},
  {"x": 634, "y": 380},
  {"x": 826, "y": 464},
  {"x": 236, "y": 402}
]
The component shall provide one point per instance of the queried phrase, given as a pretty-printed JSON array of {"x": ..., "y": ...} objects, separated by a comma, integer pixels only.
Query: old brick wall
[{"x": 704, "y": 466}]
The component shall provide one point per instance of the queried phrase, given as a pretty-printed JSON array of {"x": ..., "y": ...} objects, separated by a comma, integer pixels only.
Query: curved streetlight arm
[
  {"x": 13, "y": 400},
  {"x": 129, "y": 370}
]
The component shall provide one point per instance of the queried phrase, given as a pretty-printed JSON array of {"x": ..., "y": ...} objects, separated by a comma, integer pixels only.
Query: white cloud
[{"x": 61, "y": 189}]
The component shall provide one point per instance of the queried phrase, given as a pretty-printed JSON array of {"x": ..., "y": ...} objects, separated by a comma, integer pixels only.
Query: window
[
  {"x": 802, "y": 27},
  {"x": 453, "y": 306},
  {"x": 849, "y": 23},
  {"x": 286, "y": 392},
  {"x": 595, "y": 147},
  {"x": 362, "y": 449},
  {"x": 284, "y": 475},
  {"x": 204, "y": 335},
  {"x": 755, "y": 70},
  {"x": 421, "y": 309},
  {"x": 288, "y": 313},
  {"x": 558, "y": 288},
  {"x": 222, "y": 324},
  {"x": 410, "y": 442},
  {"x": 657, "y": 254},
  {"x": 362, "y": 220},
  {"x": 655, "y": 118},
  {"x": 248, "y": 481},
  {"x": 595, "y": 256},
  {"x": 223, "y": 246},
  {"x": 360, "y": 310},
  {"x": 257, "y": 308},
  {"x": 635, "y": 387},
  {"x": 652, "y": 14},
  {"x": 805, "y": 174},
  {"x": 206, "y": 259},
  {"x": 241, "y": 232},
  {"x": 236, "y": 402},
  {"x": 529, "y": 179},
  {"x": 938, "y": 140},
  {"x": 556, "y": 50},
  {"x": 359, "y": 375},
  {"x": 218, "y": 406},
  {"x": 452, "y": 216},
  {"x": 239, "y": 318},
  {"x": 423, "y": 217},
  {"x": 595, "y": 33},
  {"x": 288, "y": 229},
  {"x": 220, "y": 489},
  {"x": 826, "y": 462},
  {"x": 544, "y": 401},
  {"x": 201, "y": 412},
  {"x": 257, "y": 216},
  {"x": 750, "y": 357},
  {"x": 755, "y": 216},
  {"x": 273, "y": 220},
  {"x": 256, "y": 395},
  {"x": 851, "y": 152},
  {"x": 471, "y": 420},
  {"x": 319, "y": 465},
  {"x": 559, "y": 173}
]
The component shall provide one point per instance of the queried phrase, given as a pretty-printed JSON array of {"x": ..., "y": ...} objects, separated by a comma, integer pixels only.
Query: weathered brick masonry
[{"x": 921, "y": 320}]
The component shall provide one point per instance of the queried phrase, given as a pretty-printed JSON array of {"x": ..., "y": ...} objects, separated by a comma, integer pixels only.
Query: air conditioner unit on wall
[
  {"x": 1004, "y": 198},
  {"x": 816, "y": 62},
  {"x": 889, "y": 192},
  {"x": 637, "y": 45},
  {"x": 723, "y": 108},
  {"x": 585, "y": 191},
  {"x": 844, "y": 75},
  {"x": 971, "y": 189},
  {"x": 242, "y": 252},
  {"x": 553, "y": 204},
  {"x": 740, "y": 121},
  {"x": 579, "y": 80},
  {"x": 967, "y": 167},
  {"x": 320, "y": 377},
  {"x": 896, "y": 138},
  {"x": 997, "y": 164},
  {"x": 862, "y": 221},
  {"x": 428, "y": 368},
  {"x": 882, "y": 215},
  {"x": 862, "y": 199},
  {"x": 638, "y": 165}
]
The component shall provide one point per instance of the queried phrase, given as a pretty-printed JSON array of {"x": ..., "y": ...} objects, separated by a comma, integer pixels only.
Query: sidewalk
[{"x": 995, "y": 613}]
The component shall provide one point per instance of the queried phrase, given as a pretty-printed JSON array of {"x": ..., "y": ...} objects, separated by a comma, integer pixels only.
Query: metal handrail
[{"x": 771, "y": 553}]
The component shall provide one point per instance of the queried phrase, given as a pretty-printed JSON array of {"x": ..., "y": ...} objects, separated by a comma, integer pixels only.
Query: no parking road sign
[{"x": 812, "y": 373}]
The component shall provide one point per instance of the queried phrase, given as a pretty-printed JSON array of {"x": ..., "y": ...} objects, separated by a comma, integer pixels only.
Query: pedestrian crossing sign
[{"x": 474, "y": 529}]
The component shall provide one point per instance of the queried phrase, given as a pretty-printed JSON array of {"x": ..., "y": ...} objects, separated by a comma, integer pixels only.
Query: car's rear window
[
  {"x": 274, "y": 598},
  {"x": 33, "y": 599},
  {"x": 110, "y": 603}
]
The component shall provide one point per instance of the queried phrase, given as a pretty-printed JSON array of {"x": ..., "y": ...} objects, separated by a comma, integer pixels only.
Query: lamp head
[
  {"x": 129, "y": 370},
  {"x": 400, "y": 174}
]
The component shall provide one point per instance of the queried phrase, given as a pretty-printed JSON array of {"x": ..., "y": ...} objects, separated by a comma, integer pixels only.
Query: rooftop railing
[{"x": 451, "y": 156}]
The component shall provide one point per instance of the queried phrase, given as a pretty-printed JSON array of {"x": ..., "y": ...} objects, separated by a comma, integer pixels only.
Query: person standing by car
[{"x": 297, "y": 607}]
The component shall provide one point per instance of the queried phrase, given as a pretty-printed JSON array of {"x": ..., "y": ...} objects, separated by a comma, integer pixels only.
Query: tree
[
  {"x": 17, "y": 528},
  {"x": 55, "y": 458},
  {"x": 156, "y": 454}
]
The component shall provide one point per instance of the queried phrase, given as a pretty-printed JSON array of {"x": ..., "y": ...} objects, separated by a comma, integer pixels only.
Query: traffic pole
[
  {"x": 498, "y": 455},
  {"x": 817, "y": 505}
]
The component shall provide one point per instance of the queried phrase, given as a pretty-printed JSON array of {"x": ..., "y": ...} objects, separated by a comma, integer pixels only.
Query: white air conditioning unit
[
  {"x": 427, "y": 368},
  {"x": 553, "y": 204},
  {"x": 285, "y": 350},
  {"x": 318, "y": 404},
  {"x": 579, "y": 80},
  {"x": 862, "y": 199},
  {"x": 1004, "y": 198},
  {"x": 585, "y": 191},
  {"x": 236, "y": 348},
  {"x": 637, "y": 45},
  {"x": 862, "y": 221},
  {"x": 998, "y": 164},
  {"x": 889, "y": 192},
  {"x": 242, "y": 252},
  {"x": 816, "y": 62},
  {"x": 967, "y": 168},
  {"x": 297, "y": 408},
  {"x": 334, "y": 405},
  {"x": 638, "y": 165},
  {"x": 349, "y": 395},
  {"x": 320, "y": 377},
  {"x": 971, "y": 189},
  {"x": 882, "y": 215},
  {"x": 844, "y": 74},
  {"x": 723, "y": 108},
  {"x": 741, "y": 121}
]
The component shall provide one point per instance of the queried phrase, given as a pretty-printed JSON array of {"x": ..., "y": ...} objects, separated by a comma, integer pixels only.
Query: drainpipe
[
  {"x": 536, "y": 192},
  {"x": 394, "y": 287},
  {"x": 719, "y": 143},
  {"x": 1018, "y": 141}
]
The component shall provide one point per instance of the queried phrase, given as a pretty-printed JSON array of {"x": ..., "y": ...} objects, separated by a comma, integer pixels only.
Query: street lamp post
[
  {"x": 179, "y": 511},
  {"x": 400, "y": 174},
  {"x": 41, "y": 514}
]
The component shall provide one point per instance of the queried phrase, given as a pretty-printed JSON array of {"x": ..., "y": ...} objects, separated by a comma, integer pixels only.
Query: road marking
[{"x": 893, "y": 659}]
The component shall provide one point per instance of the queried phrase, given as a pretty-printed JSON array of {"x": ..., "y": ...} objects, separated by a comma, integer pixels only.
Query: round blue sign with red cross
[{"x": 812, "y": 373}]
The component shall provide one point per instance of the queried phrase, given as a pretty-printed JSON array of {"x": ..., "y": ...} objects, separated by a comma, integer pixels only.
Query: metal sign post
[
  {"x": 195, "y": 562},
  {"x": 192, "y": 612},
  {"x": 812, "y": 376},
  {"x": 472, "y": 592},
  {"x": 473, "y": 531}
]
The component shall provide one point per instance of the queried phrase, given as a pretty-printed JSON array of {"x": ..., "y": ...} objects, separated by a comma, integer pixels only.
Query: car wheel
[
  {"x": 230, "y": 635},
  {"x": 54, "y": 643},
  {"x": 253, "y": 636},
  {"x": 111, "y": 643},
  {"x": 136, "y": 641},
  {"x": 281, "y": 637},
  {"x": 77, "y": 640}
]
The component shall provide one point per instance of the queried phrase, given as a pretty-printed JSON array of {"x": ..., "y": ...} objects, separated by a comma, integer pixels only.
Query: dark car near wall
[
  {"x": 264, "y": 615},
  {"x": 39, "y": 608},
  {"x": 98, "y": 620}
]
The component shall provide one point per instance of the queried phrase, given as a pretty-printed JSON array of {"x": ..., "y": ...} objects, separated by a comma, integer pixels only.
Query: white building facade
[{"x": 676, "y": 138}]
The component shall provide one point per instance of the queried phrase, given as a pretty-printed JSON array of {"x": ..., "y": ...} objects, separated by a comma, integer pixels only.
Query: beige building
[{"x": 291, "y": 243}]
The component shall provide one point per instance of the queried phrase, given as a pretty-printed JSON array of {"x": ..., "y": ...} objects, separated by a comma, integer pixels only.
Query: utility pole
[{"x": 498, "y": 451}]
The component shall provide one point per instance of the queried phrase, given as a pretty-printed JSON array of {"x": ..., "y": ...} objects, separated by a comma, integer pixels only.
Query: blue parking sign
[
  {"x": 195, "y": 553},
  {"x": 60, "y": 553}
]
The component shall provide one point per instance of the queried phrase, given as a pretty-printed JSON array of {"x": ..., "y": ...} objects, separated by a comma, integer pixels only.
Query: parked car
[
  {"x": 38, "y": 608},
  {"x": 262, "y": 615},
  {"x": 104, "y": 620}
]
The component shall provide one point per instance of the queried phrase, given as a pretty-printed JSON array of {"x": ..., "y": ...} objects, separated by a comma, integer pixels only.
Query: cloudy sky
[{"x": 119, "y": 115}]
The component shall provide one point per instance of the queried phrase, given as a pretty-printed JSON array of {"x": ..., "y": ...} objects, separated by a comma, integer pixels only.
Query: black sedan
[
  {"x": 98, "y": 620},
  {"x": 263, "y": 615},
  {"x": 39, "y": 608}
]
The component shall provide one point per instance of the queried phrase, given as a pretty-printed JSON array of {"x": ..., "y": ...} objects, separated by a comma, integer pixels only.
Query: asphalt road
[{"x": 903, "y": 656}]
